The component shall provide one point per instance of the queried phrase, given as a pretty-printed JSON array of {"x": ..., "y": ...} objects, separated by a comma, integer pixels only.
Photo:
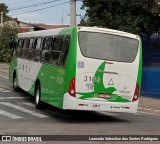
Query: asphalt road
[{"x": 18, "y": 116}]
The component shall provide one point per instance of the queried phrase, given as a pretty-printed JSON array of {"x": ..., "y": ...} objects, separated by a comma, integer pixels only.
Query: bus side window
[
  {"x": 45, "y": 54},
  {"x": 56, "y": 50},
  {"x": 65, "y": 50},
  {"x": 25, "y": 48},
  {"x": 31, "y": 43},
  {"x": 30, "y": 49},
  {"x": 38, "y": 42},
  {"x": 19, "y": 48}
]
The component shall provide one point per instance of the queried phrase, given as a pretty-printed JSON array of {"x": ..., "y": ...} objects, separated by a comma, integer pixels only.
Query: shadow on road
[{"x": 75, "y": 116}]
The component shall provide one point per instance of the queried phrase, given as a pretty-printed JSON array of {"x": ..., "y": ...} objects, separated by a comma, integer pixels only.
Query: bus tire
[
  {"x": 37, "y": 95},
  {"x": 15, "y": 84}
]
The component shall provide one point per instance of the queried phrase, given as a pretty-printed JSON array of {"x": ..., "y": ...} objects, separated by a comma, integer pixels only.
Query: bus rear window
[{"x": 108, "y": 47}]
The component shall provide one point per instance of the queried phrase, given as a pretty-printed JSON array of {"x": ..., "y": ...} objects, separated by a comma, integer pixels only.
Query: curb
[{"x": 147, "y": 109}]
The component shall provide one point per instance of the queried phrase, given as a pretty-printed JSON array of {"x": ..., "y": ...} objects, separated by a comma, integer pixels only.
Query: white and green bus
[{"x": 79, "y": 68}]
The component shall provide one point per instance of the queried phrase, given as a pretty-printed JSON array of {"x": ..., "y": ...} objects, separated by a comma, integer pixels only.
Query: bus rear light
[
  {"x": 136, "y": 93},
  {"x": 81, "y": 104},
  {"x": 71, "y": 89}
]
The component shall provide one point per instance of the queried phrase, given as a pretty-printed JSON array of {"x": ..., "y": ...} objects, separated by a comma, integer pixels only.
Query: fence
[{"x": 151, "y": 65}]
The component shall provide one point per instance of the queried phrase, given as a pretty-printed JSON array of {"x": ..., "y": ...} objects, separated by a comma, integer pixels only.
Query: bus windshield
[{"x": 108, "y": 46}]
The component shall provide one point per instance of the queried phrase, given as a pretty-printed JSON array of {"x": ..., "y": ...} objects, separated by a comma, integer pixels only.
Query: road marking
[
  {"x": 29, "y": 104},
  {"x": 24, "y": 110},
  {"x": 1, "y": 98},
  {"x": 156, "y": 110},
  {"x": 4, "y": 90},
  {"x": 6, "y": 87},
  {"x": 4, "y": 70},
  {"x": 5, "y": 64},
  {"x": 10, "y": 115},
  {"x": 147, "y": 113},
  {"x": 3, "y": 76}
]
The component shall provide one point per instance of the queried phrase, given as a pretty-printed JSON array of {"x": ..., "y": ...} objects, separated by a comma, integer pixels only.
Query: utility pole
[
  {"x": 73, "y": 12},
  {"x": 62, "y": 17},
  {"x": 1, "y": 20}
]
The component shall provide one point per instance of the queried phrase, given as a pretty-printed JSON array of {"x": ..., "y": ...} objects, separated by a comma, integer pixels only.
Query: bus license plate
[{"x": 105, "y": 96}]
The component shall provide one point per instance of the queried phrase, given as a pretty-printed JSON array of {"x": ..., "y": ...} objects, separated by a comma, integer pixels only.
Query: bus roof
[
  {"x": 109, "y": 31},
  {"x": 68, "y": 30},
  {"x": 40, "y": 33}
]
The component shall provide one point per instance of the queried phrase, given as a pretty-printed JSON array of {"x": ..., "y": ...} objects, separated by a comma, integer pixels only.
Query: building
[{"x": 28, "y": 27}]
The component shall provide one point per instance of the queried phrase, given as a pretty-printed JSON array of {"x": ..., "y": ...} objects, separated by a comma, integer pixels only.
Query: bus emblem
[
  {"x": 111, "y": 82},
  {"x": 80, "y": 64}
]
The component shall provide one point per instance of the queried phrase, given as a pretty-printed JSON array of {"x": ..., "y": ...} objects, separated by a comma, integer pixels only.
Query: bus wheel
[
  {"x": 15, "y": 84},
  {"x": 37, "y": 95}
]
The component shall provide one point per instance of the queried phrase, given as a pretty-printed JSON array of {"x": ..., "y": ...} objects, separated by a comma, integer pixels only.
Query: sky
[{"x": 51, "y": 15}]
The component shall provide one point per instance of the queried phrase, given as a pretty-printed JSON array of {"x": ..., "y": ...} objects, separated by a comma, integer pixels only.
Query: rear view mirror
[
  {"x": 12, "y": 42},
  {"x": 11, "y": 45}
]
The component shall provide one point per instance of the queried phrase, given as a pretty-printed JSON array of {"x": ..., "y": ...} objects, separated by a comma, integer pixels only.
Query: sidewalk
[
  {"x": 145, "y": 103},
  {"x": 4, "y": 70}
]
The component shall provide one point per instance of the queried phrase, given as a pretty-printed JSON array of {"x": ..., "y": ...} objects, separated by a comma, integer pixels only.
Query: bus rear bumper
[{"x": 72, "y": 103}]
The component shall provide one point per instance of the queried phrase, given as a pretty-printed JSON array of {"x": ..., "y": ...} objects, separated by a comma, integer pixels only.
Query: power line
[
  {"x": 19, "y": 2},
  {"x": 39, "y": 9},
  {"x": 24, "y": 7},
  {"x": 114, "y": 1}
]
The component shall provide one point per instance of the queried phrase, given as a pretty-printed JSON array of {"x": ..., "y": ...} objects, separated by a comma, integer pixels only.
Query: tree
[
  {"x": 8, "y": 29},
  {"x": 4, "y": 9},
  {"x": 135, "y": 16}
]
